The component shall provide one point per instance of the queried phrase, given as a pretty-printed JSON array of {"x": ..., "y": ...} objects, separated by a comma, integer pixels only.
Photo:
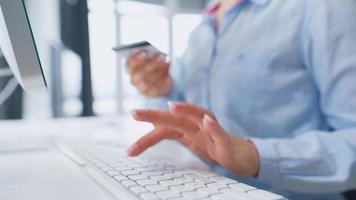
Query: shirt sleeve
[
  {"x": 322, "y": 161},
  {"x": 180, "y": 67},
  {"x": 177, "y": 74}
]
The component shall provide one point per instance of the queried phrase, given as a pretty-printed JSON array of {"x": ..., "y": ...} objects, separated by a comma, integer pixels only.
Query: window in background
[
  {"x": 183, "y": 25},
  {"x": 151, "y": 25},
  {"x": 103, "y": 58},
  {"x": 71, "y": 82}
]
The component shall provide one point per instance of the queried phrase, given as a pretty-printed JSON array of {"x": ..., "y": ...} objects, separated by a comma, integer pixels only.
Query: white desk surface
[{"x": 47, "y": 174}]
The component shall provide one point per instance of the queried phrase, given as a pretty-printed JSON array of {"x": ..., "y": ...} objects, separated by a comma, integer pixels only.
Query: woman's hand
[
  {"x": 198, "y": 130},
  {"x": 150, "y": 75}
]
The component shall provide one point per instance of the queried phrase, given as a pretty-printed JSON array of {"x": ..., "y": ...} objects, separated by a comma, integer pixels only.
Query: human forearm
[{"x": 314, "y": 162}]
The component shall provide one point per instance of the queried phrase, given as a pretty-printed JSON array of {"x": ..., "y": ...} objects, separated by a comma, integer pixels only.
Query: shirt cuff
[
  {"x": 269, "y": 160},
  {"x": 175, "y": 94}
]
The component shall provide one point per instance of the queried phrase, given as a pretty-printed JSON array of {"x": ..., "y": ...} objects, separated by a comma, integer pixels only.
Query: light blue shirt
[{"x": 283, "y": 73}]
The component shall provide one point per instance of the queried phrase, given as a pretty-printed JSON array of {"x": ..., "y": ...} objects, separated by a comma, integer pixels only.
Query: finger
[
  {"x": 150, "y": 79},
  {"x": 151, "y": 69},
  {"x": 144, "y": 64},
  {"x": 136, "y": 60},
  {"x": 167, "y": 119},
  {"x": 158, "y": 63},
  {"x": 155, "y": 77},
  {"x": 217, "y": 133},
  {"x": 194, "y": 112},
  {"x": 138, "y": 78},
  {"x": 142, "y": 88},
  {"x": 151, "y": 139}
]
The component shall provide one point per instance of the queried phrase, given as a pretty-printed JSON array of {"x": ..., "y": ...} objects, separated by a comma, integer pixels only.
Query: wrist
[
  {"x": 255, "y": 157},
  {"x": 167, "y": 86},
  {"x": 163, "y": 88},
  {"x": 245, "y": 157}
]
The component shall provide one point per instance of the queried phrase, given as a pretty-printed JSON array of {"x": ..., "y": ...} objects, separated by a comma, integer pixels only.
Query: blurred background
[{"x": 75, "y": 40}]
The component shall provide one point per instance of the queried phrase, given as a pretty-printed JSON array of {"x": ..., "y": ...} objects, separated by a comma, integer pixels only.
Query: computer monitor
[{"x": 18, "y": 45}]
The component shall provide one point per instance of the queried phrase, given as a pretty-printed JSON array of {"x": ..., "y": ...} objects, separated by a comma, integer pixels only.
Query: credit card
[{"x": 128, "y": 49}]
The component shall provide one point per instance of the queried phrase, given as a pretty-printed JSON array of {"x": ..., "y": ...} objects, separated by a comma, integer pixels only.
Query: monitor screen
[{"x": 18, "y": 45}]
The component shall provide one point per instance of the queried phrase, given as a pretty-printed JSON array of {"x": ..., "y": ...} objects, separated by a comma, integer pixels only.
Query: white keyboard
[{"x": 139, "y": 178}]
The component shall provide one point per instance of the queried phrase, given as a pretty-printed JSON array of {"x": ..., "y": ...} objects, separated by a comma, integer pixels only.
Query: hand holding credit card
[
  {"x": 128, "y": 49},
  {"x": 148, "y": 68}
]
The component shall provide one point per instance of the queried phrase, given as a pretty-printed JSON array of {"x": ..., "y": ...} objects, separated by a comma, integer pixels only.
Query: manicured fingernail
[
  {"x": 137, "y": 112},
  {"x": 132, "y": 151},
  {"x": 208, "y": 120}
]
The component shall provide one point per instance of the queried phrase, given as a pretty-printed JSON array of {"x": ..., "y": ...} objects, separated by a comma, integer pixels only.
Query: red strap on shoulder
[{"x": 213, "y": 10}]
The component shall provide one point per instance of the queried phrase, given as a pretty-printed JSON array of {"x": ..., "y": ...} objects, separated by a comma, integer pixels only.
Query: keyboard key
[
  {"x": 173, "y": 175},
  {"x": 217, "y": 185},
  {"x": 182, "y": 188},
  {"x": 223, "y": 180},
  {"x": 265, "y": 195},
  {"x": 168, "y": 194},
  {"x": 237, "y": 195},
  {"x": 225, "y": 197},
  {"x": 198, "y": 174},
  {"x": 137, "y": 177},
  {"x": 232, "y": 192},
  {"x": 195, "y": 195},
  {"x": 161, "y": 178},
  {"x": 148, "y": 196},
  {"x": 204, "y": 180},
  {"x": 128, "y": 183},
  {"x": 146, "y": 182},
  {"x": 138, "y": 189},
  {"x": 170, "y": 183},
  {"x": 112, "y": 173},
  {"x": 129, "y": 172},
  {"x": 208, "y": 191},
  {"x": 184, "y": 180},
  {"x": 195, "y": 185},
  {"x": 151, "y": 173},
  {"x": 120, "y": 178},
  {"x": 243, "y": 187},
  {"x": 156, "y": 188},
  {"x": 207, "y": 173}
]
